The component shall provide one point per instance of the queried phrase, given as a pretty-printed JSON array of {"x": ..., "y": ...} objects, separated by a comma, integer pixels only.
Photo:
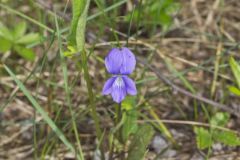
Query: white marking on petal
[{"x": 118, "y": 82}]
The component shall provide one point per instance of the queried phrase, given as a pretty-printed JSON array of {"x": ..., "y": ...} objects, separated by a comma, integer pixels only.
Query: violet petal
[
  {"x": 130, "y": 85},
  {"x": 128, "y": 62},
  {"x": 118, "y": 90},
  {"x": 107, "y": 89},
  {"x": 113, "y": 61}
]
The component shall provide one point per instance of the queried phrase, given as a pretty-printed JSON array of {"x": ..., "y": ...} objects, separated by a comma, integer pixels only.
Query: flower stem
[
  {"x": 118, "y": 113},
  {"x": 118, "y": 119}
]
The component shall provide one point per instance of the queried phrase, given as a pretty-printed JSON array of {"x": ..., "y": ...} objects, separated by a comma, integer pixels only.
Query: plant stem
[
  {"x": 118, "y": 118},
  {"x": 91, "y": 99},
  {"x": 118, "y": 113},
  {"x": 67, "y": 91}
]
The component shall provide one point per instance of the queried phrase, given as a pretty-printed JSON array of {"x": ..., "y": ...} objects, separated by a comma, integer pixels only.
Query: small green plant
[
  {"x": 140, "y": 141},
  {"x": 16, "y": 40},
  {"x": 156, "y": 12},
  {"x": 235, "y": 67},
  {"x": 207, "y": 137}
]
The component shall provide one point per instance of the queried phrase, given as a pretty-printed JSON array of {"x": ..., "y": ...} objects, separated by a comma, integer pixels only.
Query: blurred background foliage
[{"x": 40, "y": 47}]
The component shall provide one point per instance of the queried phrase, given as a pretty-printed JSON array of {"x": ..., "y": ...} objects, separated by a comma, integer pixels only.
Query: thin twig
[
  {"x": 185, "y": 92},
  {"x": 183, "y": 122}
]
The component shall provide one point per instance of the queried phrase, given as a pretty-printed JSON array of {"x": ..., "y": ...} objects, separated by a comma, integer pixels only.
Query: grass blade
[
  {"x": 235, "y": 69},
  {"x": 39, "y": 109},
  {"x": 67, "y": 89}
]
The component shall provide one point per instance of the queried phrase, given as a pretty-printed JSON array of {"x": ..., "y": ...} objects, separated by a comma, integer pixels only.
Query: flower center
[{"x": 118, "y": 82}]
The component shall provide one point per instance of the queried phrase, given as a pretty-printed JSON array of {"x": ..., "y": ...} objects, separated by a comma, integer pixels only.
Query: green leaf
[
  {"x": 227, "y": 138},
  {"x": 165, "y": 4},
  {"x": 130, "y": 116},
  {"x": 5, "y": 45},
  {"x": 81, "y": 26},
  {"x": 140, "y": 142},
  {"x": 174, "y": 7},
  {"x": 70, "y": 52},
  {"x": 77, "y": 10},
  {"x": 19, "y": 30},
  {"x": 206, "y": 138},
  {"x": 28, "y": 38},
  {"x": 165, "y": 20},
  {"x": 234, "y": 90},
  {"x": 5, "y": 32},
  {"x": 130, "y": 124},
  {"x": 26, "y": 53},
  {"x": 203, "y": 138},
  {"x": 235, "y": 69},
  {"x": 40, "y": 110},
  {"x": 220, "y": 119},
  {"x": 129, "y": 103}
]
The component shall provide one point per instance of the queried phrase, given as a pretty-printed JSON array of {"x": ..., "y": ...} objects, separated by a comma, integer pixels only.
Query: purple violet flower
[{"x": 120, "y": 63}]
